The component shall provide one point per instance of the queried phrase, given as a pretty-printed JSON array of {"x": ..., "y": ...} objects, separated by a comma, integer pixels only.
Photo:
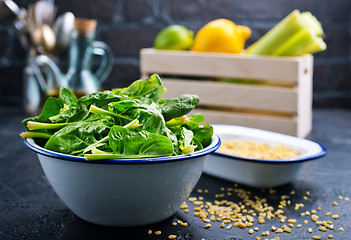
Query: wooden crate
[{"x": 276, "y": 95}]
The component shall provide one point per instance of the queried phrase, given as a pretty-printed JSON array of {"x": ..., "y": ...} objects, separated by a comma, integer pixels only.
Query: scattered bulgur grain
[
  {"x": 258, "y": 238},
  {"x": 298, "y": 225},
  {"x": 305, "y": 222},
  {"x": 266, "y": 233},
  {"x": 335, "y": 216},
  {"x": 347, "y": 199},
  {"x": 174, "y": 223},
  {"x": 319, "y": 208},
  {"x": 274, "y": 228},
  {"x": 158, "y": 233},
  {"x": 291, "y": 225},
  {"x": 340, "y": 197},
  {"x": 208, "y": 225},
  {"x": 305, "y": 197},
  {"x": 328, "y": 214},
  {"x": 330, "y": 236},
  {"x": 172, "y": 236},
  {"x": 291, "y": 220},
  {"x": 149, "y": 232},
  {"x": 186, "y": 210},
  {"x": 309, "y": 230},
  {"x": 314, "y": 218},
  {"x": 256, "y": 228},
  {"x": 316, "y": 237},
  {"x": 279, "y": 230},
  {"x": 229, "y": 227},
  {"x": 251, "y": 231},
  {"x": 308, "y": 193},
  {"x": 200, "y": 191},
  {"x": 335, "y": 203},
  {"x": 341, "y": 229},
  {"x": 323, "y": 229},
  {"x": 313, "y": 211}
]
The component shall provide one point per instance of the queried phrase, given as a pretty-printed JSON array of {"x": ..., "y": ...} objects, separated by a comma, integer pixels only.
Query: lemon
[
  {"x": 221, "y": 35},
  {"x": 174, "y": 37}
]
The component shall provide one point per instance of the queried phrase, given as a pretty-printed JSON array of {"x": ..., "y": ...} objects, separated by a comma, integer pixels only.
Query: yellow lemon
[
  {"x": 174, "y": 37},
  {"x": 221, "y": 35}
]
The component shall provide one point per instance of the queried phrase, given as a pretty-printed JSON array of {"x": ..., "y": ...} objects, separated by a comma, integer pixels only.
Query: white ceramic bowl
[
  {"x": 123, "y": 192},
  {"x": 257, "y": 172}
]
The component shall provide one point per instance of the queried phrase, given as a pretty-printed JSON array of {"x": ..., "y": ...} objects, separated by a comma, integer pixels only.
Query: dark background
[{"x": 129, "y": 25}]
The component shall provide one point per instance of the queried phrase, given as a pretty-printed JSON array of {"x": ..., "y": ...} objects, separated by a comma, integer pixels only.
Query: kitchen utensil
[
  {"x": 63, "y": 28},
  {"x": 80, "y": 78}
]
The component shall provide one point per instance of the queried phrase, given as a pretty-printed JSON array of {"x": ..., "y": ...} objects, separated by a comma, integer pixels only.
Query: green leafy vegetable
[{"x": 125, "y": 123}]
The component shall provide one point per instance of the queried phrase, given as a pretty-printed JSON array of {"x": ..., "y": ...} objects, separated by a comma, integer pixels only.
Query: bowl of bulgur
[{"x": 259, "y": 158}]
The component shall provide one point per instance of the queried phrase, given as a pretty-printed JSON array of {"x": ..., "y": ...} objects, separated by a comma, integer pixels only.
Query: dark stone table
[{"x": 30, "y": 209}]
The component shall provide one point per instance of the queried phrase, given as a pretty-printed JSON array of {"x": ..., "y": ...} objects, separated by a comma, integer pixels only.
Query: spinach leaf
[
  {"x": 66, "y": 97},
  {"x": 51, "y": 108},
  {"x": 204, "y": 134},
  {"x": 185, "y": 140},
  {"x": 74, "y": 138},
  {"x": 179, "y": 106},
  {"x": 99, "y": 99},
  {"x": 148, "y": 90},
  {"x": 145, "y": 144},
  {"x": 148, "y": 115}
]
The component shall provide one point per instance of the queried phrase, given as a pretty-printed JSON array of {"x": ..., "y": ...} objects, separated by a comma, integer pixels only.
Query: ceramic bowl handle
[{"x": 106, "y": 65}]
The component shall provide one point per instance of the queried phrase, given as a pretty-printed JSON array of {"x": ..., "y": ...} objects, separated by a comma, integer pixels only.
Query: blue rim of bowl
[
  {"x": 320, "y": 154},
  {"x": 216, "y": 142}
]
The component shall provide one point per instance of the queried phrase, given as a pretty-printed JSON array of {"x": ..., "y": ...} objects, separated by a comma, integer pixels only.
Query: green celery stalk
[
  {"x": 303, "y": 42},
  {"x": 297, "y": 34}
]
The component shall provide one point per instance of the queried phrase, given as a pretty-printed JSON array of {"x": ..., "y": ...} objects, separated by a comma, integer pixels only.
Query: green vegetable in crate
[
  {"x": 132, "y": 122},
  {"x": 297, "y": 34},
  {"x": 174, "y": 37}
]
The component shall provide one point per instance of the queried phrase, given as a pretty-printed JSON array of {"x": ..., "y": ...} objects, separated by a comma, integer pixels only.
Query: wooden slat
[
  {"x": 285, "y": 69},
  {"x": 231, "y": 95},
  {"x": 270, "y": 123}
]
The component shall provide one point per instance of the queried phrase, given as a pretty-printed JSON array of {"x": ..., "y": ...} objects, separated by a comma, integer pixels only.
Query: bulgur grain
[
  {"x": 323, "y": 229},
  {"x": 330, "y": 236},
  {"x": 208, "y": 225},
  {"x": 309, "y": 230},
  {"x": 172, "y": 236},
  {"x": 335, "y": 203},
  {"x": 158, "y": 233},
  {"x": 149, "y": 232},
  {"x": 316, "y": 237},
  {"x": 335, "y": 216},
  {"x": 341, "y": 229}
]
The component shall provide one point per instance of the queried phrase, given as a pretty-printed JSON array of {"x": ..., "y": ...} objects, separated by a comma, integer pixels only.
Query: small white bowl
[
  {"x": 257, "y": 172},
  {"x": 131, "y": 192}
]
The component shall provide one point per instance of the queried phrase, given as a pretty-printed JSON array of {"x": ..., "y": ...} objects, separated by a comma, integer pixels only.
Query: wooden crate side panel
[
  {"x": 276, "y": 124},
  {"x": 189, "y": 63},
  {"x": 304, "y": 101},
  {"x": 230, "y": 95}
]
